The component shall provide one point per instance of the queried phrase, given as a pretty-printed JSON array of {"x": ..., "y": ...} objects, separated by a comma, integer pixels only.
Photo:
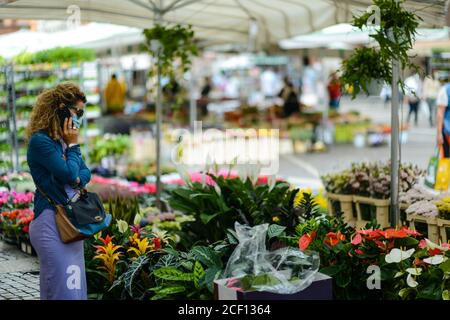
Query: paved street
[
  {"x": 305, "y": 169},
  {"x": 19, "y": 274}
]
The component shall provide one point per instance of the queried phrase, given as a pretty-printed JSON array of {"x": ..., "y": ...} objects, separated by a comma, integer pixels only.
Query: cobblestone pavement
[{"x": 19, "y": 274}]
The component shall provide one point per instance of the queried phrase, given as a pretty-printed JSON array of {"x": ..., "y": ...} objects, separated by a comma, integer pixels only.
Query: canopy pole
[
  {"x": 158, "y": 19},
  {"x": 395, "y": 148},
  {"x": 192, "y": 102}
]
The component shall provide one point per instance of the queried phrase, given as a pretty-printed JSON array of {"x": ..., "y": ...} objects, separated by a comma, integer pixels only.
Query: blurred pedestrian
[
  {"x": 412, "y": 96},
  {"x": 431, "y": 86},
  {"x": 290, "y": 98},
  {"x": 204, "y": 96},
  {"x": 334, "y": 91},
  {"x": 443, "y": 117},
  {"x": 115, "y": 96}
]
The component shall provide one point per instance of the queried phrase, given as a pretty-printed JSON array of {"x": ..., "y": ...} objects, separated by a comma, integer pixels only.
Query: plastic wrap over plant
[{"x": 252, "y": 267}]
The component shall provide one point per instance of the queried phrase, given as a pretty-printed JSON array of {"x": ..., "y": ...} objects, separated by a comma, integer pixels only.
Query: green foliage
[
  {"x": 55, "y": 55},
  {"x": 395, "y": 37},
  {"x": 109, "y": 145},
  {"x": 188, "y": 275},
  {"x": 238, "y": 200},
  {"x": 175, "y": 43},
  {"x": 123, "y": 209}
]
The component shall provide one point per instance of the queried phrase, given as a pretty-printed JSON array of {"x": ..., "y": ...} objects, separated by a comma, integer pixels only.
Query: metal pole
[
  {"x": 12, "y": 120},
  {"x": 158, "y": 19},
  {"x": 395, "y": 162},
  {"x": 192, "y": 102}
]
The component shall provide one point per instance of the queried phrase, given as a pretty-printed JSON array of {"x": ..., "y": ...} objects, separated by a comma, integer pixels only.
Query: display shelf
[{"x": 31, "y": 80}]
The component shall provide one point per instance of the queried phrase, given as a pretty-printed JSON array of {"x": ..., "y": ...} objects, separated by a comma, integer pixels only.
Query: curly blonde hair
[{"x": 44, "y": 117}]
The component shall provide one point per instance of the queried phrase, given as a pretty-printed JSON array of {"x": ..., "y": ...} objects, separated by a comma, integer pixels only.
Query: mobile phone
[{"x": 63, "y": 113}]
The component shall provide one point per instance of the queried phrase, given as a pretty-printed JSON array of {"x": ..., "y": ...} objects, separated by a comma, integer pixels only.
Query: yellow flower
[
  {"x": 141, "y": 246},
  {"x": 299, "y": 196},
  {"x": 109, "y": 257},
  {"x": 321, "y": 201},
  {"x": 276, "y": 219}
]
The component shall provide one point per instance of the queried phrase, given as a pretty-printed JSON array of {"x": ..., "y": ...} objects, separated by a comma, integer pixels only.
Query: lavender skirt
[{"x": 62, "y": 270}]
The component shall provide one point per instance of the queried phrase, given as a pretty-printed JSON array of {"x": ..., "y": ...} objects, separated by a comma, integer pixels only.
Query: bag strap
[{"x": 45, "y": 195}]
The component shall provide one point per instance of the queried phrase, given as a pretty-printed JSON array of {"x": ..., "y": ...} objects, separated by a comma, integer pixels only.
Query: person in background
[
  {"x": 289, "y": 95},
  {"x": 334, "y": 91},
  {"x": 443, "y": 117},
  {"x": 413, "y": 95},
  {"x": 431, "y": 86},
  {"x": 115, "y": 96},
  {"x": 204, "y": 96}
]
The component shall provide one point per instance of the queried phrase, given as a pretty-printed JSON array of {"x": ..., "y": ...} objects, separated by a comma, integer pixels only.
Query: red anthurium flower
[
  {"x": 357, "y": 239},
  {"x": 394, "y": 234},
  {"x": 410, "y": 232},
  {"x": 26, "y": 229},
  {"x": 370, "y": 234},
  {"x": 333, "y": 239},
  {"x": 380, "y": 244},
  {"x": 433, "y": 252},
  {"x": 422, "y": 244},
  {"x": 359, "y": 251},
  {"x": 304, "y": 241}
]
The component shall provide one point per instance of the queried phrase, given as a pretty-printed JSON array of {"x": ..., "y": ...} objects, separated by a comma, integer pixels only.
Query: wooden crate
[
  {"x": 432, "y": 225},
  {"x": 380, "y": 208},
  {"x": 444, "y": 229},
  {"x": 345, "y": 205}
]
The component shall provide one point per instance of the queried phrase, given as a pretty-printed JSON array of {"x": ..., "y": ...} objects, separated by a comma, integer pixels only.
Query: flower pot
[
  {"x": 26, "y": 247},
  {"x": 403, "y": 215},
  {"x": 431, "y": 230},
  {"x": 342, "y": 203},
  {"x": 10, "y": 239},
  {"x": 371, "y": 208},
  {"x": 444, "y": 229}
]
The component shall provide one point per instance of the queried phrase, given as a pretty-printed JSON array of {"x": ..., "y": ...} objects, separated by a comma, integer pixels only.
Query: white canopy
[
  {"x": 217, "y": 21},
  {"x": 345, "y": 36}
]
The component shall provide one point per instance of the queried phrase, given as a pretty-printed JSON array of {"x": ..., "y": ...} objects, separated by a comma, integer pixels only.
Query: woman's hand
[{"x": 70, "y": 134}]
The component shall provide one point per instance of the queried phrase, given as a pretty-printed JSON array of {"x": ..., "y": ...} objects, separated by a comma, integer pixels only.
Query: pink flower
[
  {"x": 422, "y": 244},
  {"x": 357, "y": 239}
]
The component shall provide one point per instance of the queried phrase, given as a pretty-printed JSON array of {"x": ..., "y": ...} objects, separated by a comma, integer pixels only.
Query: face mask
[{"x": 77, "y": 122}]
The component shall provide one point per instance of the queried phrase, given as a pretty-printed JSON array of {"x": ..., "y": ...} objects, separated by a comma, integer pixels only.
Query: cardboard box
[{"x": 320, "y": 289}]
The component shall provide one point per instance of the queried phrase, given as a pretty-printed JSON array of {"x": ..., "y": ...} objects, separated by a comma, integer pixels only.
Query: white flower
[
  {"x": 414, "y": 271},
  {"x": 411, "y": 282},
  {"x": 122, "y": 225},
  {"x": 398, "y": 274},
  {"x": 271, "y": 180},
  {"x": 438, "y": 259},
  {"x": 397, "y": 255},
  {"x": 217, "y": 188},
  {"x": 137, "y": 219}
]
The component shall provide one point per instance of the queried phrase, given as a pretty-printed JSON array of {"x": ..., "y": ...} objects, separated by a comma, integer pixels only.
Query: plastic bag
[{"x": 252, "y": 268}]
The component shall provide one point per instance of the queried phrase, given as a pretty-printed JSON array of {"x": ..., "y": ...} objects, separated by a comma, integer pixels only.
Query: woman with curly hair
[{"x": 58, "y": 170}]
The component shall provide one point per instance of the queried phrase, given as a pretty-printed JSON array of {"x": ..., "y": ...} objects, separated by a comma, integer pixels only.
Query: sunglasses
[{"x": 79, "y": 112}]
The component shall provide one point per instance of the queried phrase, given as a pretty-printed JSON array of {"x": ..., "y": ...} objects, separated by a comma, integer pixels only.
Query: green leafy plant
[
  {"x": 189, "y": 275},
  {"x": 395, "y": 37},
  {"x": 217, "y": 207},
  {"x": 124, "y": 209},
  {"x": 172, "y": 43}
]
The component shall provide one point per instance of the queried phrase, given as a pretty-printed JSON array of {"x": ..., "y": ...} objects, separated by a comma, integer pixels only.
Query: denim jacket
[{"x": 51, "y": 169}]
